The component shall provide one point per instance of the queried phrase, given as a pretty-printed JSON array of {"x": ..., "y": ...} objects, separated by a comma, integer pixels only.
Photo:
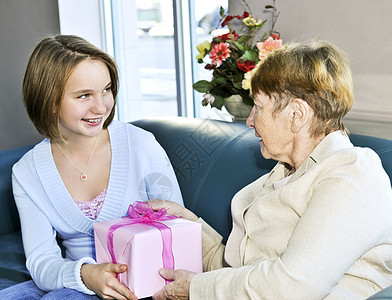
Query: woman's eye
[
  {"x": 84, "y": 96},
  {"x": 107, "y": 90}
]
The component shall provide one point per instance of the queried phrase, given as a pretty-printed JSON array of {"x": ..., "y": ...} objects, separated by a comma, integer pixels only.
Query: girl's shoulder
[
  {"x": 40, "y": 153},
  {"x": 40, "y": 149},
  {"x": 132, "y": 132}
]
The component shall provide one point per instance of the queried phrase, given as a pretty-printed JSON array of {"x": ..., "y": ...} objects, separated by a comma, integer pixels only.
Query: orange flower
[{"x": 219, "y": 52}]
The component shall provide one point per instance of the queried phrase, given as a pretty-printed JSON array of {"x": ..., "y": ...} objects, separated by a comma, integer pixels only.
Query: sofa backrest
[
  {"x": 213, "y": 160},
  {"x": 9, "y": 219}
]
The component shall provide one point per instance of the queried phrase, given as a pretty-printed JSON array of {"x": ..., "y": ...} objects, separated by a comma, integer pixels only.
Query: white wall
[
  {"x": 83, "y": 18},
  {"x": 361, "y": 28}
]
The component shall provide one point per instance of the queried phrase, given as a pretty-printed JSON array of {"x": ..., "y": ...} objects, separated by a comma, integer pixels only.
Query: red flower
[
  {"x": 229, "y": 18},
  {"x": 209, "y": 67},
  {"x": 275, "y": 36},
  {"x": 219, "y": 52},
  {"x": 245, "y": 15},
  {"x": 226, "y": 20},
  {"x": 224, "y": 37},
  {"x": 245, "y": 66}
]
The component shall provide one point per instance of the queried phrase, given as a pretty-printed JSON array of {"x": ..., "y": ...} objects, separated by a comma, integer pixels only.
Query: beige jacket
[{"x": 326, "y": 233}]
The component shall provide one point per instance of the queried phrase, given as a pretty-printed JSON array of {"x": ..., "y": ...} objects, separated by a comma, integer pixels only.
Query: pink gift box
[{"x": 140, "y": 247}]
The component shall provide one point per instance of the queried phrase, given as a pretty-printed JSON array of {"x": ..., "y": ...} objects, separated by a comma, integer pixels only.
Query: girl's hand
[
  {"x": 102, "y": 280},
  {"x": 173, "y": 208},
  {"x": 178, "y": 289}
]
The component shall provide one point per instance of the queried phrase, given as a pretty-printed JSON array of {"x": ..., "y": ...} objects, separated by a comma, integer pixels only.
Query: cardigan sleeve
[
  {"x": 213, "y": 249},
  {"x": 346, "y": 217},
  {"x": 44, "y": 261}
]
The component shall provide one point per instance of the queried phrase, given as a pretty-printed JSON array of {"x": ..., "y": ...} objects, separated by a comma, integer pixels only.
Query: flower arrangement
[{"x": 232, "y": 56}]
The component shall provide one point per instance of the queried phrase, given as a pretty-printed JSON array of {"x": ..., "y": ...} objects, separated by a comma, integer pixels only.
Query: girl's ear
[{"x": 301, "y": 114}]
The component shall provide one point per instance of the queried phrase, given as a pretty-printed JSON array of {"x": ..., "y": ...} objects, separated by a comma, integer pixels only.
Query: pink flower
[
  {"x": 219, "y": 52},
  {"x": 209, "y": 99},
  {"x": 267, "y": 46}
]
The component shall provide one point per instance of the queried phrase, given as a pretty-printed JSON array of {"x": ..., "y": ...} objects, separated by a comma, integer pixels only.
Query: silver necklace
[{"x": 83, "y": 175}]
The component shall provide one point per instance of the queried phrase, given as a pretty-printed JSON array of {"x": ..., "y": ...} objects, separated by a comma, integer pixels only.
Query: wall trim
[{"x": 369, "y": 115}]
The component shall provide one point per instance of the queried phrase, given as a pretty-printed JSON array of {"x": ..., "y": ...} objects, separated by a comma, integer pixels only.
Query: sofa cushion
[
  {"x": 383, "y": 295},
  {"x": 12, "y": 260},
  {"x": 9, "y": 218}
]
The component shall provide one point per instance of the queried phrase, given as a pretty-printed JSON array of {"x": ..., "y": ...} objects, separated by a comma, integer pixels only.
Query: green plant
[{"x": 233, "y": 55}]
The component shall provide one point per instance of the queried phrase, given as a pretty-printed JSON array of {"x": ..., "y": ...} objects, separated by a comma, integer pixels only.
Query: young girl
[{"x": 87, "y": 169}]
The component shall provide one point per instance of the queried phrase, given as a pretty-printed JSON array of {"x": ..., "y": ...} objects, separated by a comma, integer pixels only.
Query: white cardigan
[{"x": 47, "y": 209}]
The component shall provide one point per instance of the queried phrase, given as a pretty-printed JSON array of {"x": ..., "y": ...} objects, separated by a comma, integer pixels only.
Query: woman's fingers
[
  {"x": 178, "y": 288},
  {"x": 173, "y": 208}
]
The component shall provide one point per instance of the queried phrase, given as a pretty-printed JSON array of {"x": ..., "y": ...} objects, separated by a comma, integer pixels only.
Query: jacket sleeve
[{"x": 213, "y": 249}]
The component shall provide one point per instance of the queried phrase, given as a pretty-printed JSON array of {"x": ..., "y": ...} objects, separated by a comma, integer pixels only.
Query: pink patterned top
[{"x": 92, "y": 208}]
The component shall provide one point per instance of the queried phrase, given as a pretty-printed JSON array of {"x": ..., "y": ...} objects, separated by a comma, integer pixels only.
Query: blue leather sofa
[{"x": 212, "y": 160}]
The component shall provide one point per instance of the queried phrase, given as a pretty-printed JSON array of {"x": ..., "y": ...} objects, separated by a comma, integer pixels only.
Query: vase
[{"x": 237, "y": 108}]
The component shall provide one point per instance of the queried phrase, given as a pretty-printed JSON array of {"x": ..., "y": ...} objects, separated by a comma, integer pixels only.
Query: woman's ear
[{"x": 301, "y": 114}]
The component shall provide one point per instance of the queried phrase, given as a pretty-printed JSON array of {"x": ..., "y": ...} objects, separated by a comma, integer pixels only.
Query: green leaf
[
  {"x": 202, "y": 86},
  {"x": 222, "y": 12},
  {"x": 239, "y": 46},
  {"x": 220, "y": 80},
  {"x": 250, "y": 55},
  {"x": 243, "y": 39},
  {"x": 218, "y": 103},
  {"x": 216, "y": 40},
  {"x": 238, "y": 77},
  {"x": 221, "y": 91},
  {"x": 262, "y": 24},
  {"x": 237, "y": 85}
]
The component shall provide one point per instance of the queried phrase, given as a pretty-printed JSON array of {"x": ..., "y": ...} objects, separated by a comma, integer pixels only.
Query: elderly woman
[{"x": 319, "y": 225}]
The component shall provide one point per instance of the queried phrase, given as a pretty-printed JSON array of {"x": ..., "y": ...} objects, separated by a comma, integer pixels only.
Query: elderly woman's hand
[
  {"x": 173, "y": 208},
  {"x": 178, "y": 289}
]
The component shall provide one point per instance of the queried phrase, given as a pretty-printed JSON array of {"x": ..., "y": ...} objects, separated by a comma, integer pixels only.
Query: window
[
  {"x": 140, "y": 35},
  {"x": 208, "y": 18},
  {"x": 144, "y": 50}
]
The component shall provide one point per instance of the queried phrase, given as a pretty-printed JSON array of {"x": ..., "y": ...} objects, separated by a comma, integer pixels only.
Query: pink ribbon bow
[{"x": 142, "y": 213}]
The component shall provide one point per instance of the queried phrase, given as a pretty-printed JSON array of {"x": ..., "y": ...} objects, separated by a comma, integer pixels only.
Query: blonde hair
[
  {"x": 47, "y": 71},
  {"x": 317, "y": 72}
]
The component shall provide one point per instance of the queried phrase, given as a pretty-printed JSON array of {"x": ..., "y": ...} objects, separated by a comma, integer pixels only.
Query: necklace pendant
[{"x": 83, "y": 177}]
